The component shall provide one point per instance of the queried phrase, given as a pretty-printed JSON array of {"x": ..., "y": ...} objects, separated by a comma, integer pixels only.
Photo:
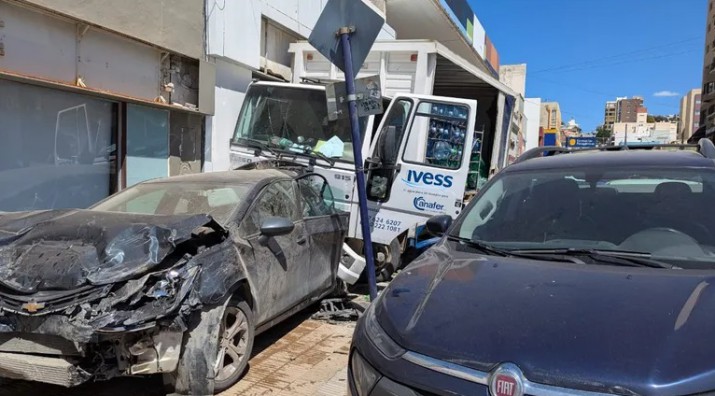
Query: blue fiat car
[{"x": 571, "y": 273}]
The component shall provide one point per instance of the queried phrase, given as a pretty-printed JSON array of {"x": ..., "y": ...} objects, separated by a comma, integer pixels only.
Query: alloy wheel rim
[{"x": 232, "y": 344}]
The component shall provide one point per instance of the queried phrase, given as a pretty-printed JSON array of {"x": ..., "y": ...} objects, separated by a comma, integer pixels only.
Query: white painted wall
[
  {"x": 234, "y": 27},
  {"x": 532, "y": 112},
  {"x": 231, "y": 84}
]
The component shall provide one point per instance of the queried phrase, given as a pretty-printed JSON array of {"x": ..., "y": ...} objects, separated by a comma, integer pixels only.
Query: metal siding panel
[
  {"x": 116, "y": 64},
  {"x": 242, "y": 32},
  {"x": 37, "y": 45}
]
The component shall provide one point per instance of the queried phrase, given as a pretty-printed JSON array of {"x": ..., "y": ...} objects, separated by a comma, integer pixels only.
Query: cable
[{"x": 555, "y": 68}]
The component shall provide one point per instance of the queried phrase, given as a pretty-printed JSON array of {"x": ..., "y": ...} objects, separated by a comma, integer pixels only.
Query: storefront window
[
  {"x": 57, "y": 148},
  {"x": 147, "y": 144}
]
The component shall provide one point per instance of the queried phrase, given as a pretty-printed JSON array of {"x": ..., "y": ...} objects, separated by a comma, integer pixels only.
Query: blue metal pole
[{"x": 357, "y": 153}]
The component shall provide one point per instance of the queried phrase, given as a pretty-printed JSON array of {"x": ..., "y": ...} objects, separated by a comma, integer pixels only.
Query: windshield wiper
[
  {"x": 307, "y": 153},
  {"x": 615, "y": 257},
  {"x": 485, "y": 248},
  {"x": 257, "y": 144}
]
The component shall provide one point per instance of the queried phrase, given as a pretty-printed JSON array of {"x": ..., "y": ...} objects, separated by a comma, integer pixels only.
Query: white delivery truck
[{"x": 444, "y": 132}]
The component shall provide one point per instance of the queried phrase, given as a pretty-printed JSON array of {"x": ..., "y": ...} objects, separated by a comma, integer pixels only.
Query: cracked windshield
[{"x": 357, "y": 197}]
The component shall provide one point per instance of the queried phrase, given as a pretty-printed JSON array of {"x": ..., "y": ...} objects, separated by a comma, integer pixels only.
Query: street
[{"x": 298, "y": 357}]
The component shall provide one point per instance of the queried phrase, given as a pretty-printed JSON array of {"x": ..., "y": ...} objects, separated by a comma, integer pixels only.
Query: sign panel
[
  {"x": 581, "y": 142},
  {"x": 363, "y": 18},
  {"x": 462, "y": 14},
  {"x": 479, "y": 38},
  {"x": 369, "y": 98}
]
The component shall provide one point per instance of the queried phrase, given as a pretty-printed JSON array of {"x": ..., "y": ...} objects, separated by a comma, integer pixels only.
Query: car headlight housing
[
  {"x": 377, "y": 336},
  {"x": 364, "y": 375}
]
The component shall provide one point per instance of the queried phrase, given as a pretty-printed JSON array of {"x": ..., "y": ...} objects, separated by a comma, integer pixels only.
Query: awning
[{"x": 427, "y": 20}]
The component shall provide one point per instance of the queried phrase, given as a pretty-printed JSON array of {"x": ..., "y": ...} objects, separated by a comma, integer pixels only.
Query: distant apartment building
[
  {"x": 642, "y": 131},
  {"x": 627, "y": 109},
  {"x": 689, "y": 114},
  {"x": 707, "y": 114},
  {"x": 621, "y": 110},
  {"x": 609, "y": 116},
  {"x": 550, "y": 115}
]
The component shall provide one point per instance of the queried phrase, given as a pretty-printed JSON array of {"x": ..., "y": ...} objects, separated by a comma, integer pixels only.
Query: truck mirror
[{"x": 438, "y": 225}]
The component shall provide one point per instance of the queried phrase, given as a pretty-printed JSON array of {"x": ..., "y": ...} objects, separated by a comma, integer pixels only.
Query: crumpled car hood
[
  {"x": 610, "y": 329},
  {"x": 66, "y": 249}
]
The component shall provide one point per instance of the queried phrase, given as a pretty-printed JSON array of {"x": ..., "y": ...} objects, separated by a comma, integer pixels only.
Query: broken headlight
[{"x": 167, "y": 285}]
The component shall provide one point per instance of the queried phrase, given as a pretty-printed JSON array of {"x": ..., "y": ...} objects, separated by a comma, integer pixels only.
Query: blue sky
[{"x": 584, "y": 52}]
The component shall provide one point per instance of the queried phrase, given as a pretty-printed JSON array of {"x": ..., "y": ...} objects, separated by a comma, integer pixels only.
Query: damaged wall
[{"x": 177, "y": 25}]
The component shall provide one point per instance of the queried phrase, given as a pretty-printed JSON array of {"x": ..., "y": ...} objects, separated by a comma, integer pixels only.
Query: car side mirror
[
  {"x": 438, "y": 225},
  {"x": 276, "y": 226}
]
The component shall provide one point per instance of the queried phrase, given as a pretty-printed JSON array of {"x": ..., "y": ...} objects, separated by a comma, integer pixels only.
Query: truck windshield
[{"x": 295, "y": 119}]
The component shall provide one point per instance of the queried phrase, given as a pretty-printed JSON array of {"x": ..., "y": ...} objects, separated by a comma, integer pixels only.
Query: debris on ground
[{"x": 336, "y": 310}]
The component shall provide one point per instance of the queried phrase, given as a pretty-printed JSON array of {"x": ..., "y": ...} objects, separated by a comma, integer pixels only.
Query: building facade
[
  {"x": 532, "y": 112},
  {"x": 609, "y": 115},
  {"x": 707, "y": 113},
  {"x": 689, "y": 114},
  {"x": 514, "y": 76},
  {"x": 627, "y": 109},
  {"x": 96, "y": 98},
  {"x": 550, "y": 115}
]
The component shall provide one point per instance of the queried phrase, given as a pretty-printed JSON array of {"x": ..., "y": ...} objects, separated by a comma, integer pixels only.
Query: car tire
[
  {"x": 392, "y": 264},
  {"x": 206, "y": 338},
  {"x": 237, "y": 346}
]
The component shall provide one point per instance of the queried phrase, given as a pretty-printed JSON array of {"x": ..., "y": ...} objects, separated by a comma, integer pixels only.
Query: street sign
[
  {"x": 337, "y": 14},
  {"x": 582, "y": 142},
  {"x": 368, "y": 94}
]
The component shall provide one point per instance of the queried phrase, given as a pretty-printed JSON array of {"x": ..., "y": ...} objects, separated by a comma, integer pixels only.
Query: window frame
[{"x": 303, "y": 201}]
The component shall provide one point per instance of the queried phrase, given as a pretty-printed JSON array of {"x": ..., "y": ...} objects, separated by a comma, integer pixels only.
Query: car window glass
[
  {"x": 316, "y": 196},
  {"x": 145, "y": 203},
  {"x": 655, "y": 211},
  {"x": 276, "y": 200}
]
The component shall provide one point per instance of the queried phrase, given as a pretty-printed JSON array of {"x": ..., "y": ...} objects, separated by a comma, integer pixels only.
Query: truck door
[{"x": 420, "y": 162}]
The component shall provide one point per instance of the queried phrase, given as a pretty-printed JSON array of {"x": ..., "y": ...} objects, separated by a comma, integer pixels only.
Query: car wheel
[
  {"x": 216, "y": 350},
  {"x": 235, "y": 345}
]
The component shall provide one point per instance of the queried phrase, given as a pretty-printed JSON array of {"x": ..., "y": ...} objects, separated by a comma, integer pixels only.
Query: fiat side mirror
[{"x": 438, "y": 225}]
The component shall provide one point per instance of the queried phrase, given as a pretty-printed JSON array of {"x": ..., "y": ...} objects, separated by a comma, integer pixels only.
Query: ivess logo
[{"x": 417, "y": 178}]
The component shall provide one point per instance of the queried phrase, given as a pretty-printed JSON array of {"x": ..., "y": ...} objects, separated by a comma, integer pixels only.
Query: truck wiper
[
  {"x": 257, "y": 144},
  {"x": 614, "y": 257},
  {"x": 307, "y": 153}
]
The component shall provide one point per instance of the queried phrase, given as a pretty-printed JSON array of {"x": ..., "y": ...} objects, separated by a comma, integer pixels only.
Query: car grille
[{"x": 53, "y": 301}]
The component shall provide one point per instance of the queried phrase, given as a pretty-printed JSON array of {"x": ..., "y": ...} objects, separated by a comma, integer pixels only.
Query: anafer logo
[{"x": 422, "y": 204}]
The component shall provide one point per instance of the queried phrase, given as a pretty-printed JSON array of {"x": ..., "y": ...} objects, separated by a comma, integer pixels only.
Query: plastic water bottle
[{"x": 442, "y": 150}]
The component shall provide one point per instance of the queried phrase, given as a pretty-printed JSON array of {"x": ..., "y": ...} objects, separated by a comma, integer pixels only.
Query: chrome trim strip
[
  {"x": 482, "y": 378},
  {"x": 451, "y": 369}
]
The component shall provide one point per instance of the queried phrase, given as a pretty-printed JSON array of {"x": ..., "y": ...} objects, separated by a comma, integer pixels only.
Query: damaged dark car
[{"x": 173, "y": 277}]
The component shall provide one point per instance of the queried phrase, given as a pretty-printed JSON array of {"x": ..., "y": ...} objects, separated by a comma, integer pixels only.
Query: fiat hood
[
  {"x": 67, "y": 249},
  {"x": 591, "y": 327}
]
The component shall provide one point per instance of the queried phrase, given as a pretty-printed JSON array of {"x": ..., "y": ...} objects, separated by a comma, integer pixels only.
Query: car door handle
[{"x": 301, "y": 240}]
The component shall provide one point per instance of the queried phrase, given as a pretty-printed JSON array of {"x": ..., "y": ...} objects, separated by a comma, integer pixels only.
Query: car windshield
[
  {"x": 293, "y": 119},
  {"x": 660, "y": 212},
  {"x": 217, "y": 200}
]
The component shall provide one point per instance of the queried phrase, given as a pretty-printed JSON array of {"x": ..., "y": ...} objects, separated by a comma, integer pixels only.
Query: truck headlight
[
  {"x": 364, "y": 376},
  {"x": 386, "y": 345}
]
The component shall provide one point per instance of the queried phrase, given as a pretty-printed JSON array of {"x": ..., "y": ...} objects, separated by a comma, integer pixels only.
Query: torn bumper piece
[{"x": 52, "y": 370}]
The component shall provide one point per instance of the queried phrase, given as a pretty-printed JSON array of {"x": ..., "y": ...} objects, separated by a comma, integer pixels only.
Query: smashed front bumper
[{"x": 134, "y": 328}]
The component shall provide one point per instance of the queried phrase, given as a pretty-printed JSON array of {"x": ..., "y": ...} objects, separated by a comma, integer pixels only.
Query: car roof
[
  {"x": 615, "y": 159},
  {"x": 252, "y": 176}
]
